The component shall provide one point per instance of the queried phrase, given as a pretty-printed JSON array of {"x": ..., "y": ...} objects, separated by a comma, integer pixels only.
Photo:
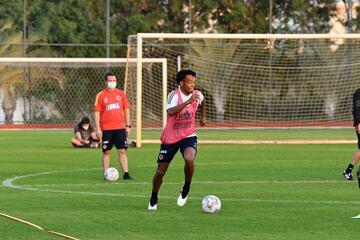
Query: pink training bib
[{"x": 180, "y": 125}]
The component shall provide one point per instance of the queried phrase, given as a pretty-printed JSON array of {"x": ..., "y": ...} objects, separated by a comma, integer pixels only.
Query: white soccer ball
[
  {"x": 111, "y": 174},
  {"x": 211, "y": 204}
]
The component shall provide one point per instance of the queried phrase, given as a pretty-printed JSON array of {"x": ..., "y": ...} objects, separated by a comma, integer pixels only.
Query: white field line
[
  {"x": 10, "y": 183},
  {"x": 194, "y": 182}
]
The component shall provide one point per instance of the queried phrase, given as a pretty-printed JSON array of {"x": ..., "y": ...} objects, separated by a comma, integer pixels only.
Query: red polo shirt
[{"x": 111, "y": 105}]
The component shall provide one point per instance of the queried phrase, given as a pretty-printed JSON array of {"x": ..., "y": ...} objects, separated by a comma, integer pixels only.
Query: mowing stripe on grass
[
  {"x": 194, "y": 182},
  {"x": 9, "y": 183}
]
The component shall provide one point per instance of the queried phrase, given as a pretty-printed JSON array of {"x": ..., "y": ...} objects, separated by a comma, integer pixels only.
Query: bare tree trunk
[
  {"x": 220, "y": 100},
  {"x": 330, "y": 106},
  {"x": 9, "y": 103}
]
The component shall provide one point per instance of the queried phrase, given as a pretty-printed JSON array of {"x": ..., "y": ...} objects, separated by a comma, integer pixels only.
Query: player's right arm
[
  {"x": 356, "y": 110},
  {"x": 97, "y": 124},
  {"x": 97, "y": 109},
  {"x": 178, "y": 108}
]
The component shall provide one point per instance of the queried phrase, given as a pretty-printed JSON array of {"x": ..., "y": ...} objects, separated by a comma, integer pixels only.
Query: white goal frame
[
  {"x": 140, "y": 37},
  {"x": 162, "y": 61}
]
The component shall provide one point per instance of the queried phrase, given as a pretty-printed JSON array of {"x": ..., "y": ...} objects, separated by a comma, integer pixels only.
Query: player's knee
[
  {"x": 122, "y": 151},
  {"x": 160, "y": 172},
  {"x": 189, "y": 154},
  {"x": 75, "y": 142},
  {"x": 189, "y": 158},
  {"x": 107, "y": 153}
]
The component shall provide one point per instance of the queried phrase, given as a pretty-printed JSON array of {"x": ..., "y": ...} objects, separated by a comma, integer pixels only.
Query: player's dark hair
[
  {"x": 182, "y": 74},
  {"x": 85, "y": 120},
  {"x": 108, "y": 74}
]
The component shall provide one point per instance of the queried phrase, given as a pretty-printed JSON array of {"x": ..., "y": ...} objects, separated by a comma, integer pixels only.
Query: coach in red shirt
[{"x": 112, "y": 119}]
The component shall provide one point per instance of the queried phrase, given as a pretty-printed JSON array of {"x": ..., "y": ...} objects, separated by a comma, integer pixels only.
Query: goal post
[
  {"x": 265, "y": 88},
  {"x": 56, "y": 92}
]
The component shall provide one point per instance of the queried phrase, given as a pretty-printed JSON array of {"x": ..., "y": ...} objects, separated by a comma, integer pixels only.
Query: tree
[
  {"x": 69, "y": 22},
  {"x": 300, "y": 16}
]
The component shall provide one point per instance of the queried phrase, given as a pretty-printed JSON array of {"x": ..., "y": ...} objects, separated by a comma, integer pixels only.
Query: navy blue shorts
[
  {"x": 168, "y": 151},
  {"x": 114, "y": 137}
]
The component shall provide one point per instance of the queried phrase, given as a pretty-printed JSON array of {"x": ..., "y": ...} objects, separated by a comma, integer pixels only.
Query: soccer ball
[
  {"x": 111, "y": 174},
  {"x": 211, "y": 204}
]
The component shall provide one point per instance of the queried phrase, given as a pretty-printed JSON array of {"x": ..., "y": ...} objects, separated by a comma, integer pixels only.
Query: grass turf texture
[{"x": 267, "y": 192}]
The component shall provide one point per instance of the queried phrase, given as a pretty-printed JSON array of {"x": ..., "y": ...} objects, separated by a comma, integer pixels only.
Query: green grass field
[{"x": 267, "y": 192}]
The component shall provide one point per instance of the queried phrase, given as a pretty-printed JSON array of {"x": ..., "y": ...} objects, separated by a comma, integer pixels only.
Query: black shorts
[
  {"x": 114, "y": 137},
  {"x": 358, "y": 137},
  {"x": 168, "y": 151}
]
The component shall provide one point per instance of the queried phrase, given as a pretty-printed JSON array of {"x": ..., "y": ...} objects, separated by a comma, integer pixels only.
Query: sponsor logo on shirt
[
  {"x": 112, "y": 106},
  {"x": 182, "y": 125},
  {"x": 184, "y": 116}
]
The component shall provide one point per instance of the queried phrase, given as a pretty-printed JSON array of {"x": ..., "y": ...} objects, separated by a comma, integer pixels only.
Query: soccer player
[
  {"x": 179, "y": 133},
  {"x": 356, "y": 156},
  {"x": 112, "y": 119},
  {"x": 85, "y": 135}
]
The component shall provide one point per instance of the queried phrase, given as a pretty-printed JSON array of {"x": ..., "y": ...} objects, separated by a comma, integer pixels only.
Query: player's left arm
[
  {"x": 127, "y": 121},
  {"x": 126, "y": 109},
  {"x": 92, "y": 133},
  {"x": 202, "y": 112},
  {"x": 81, "y": 140},
  {"x": 94, "y": 137}
]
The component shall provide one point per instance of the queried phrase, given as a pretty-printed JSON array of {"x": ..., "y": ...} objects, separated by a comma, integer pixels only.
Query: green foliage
[
  {"x": 75, "y": 22},
  {"x": 69, "y": 22},
  {"x": 300, "y": 16}
]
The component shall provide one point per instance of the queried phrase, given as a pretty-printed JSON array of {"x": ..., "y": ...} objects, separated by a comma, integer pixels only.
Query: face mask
[
  {"x": 111, "y": 85},
  {"x": 85, "y": 127}
]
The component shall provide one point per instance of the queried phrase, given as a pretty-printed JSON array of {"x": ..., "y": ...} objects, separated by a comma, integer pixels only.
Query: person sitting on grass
[{"x": 85, "y": 135}]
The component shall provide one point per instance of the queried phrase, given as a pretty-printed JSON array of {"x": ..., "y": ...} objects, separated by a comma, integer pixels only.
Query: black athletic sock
[
  {"x": 349, "y": 168},
  {"x": 154, "y": 198},
  {"x": 185, "y": 190}
]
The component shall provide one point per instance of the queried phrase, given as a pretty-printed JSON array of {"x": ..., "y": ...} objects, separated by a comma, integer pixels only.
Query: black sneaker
[
  {"x": 127, "y": 177},
  {"x": 348, "y": 176}
]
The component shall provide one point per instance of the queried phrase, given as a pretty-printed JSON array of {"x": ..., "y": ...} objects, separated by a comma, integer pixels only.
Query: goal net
[
  {"x": 58, "y": 92},
  {"x": 258, "y": 88}
]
